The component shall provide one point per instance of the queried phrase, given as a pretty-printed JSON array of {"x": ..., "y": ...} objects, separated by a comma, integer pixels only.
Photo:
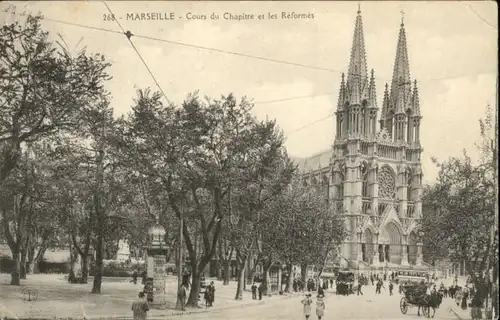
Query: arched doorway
[
  {"x": 390, "y": 244},
  {"x": 367, "y": 246},
  {"x": 412, "y": 248}
]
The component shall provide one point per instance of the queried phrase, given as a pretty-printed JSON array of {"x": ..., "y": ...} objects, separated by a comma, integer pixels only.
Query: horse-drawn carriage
[
  {"x": 345, "y": 282},
  {"x": 415, "y": 295}
]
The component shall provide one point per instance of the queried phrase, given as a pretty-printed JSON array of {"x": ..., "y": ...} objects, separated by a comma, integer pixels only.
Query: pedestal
[{"x": 157, "y": 272}]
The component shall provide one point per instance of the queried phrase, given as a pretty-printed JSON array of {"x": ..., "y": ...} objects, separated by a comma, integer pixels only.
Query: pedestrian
[
  {"x": 465, "y": 296},
  {"x": 261, "y": 290},
  {"x": 391, "y": 286},
  {"x": 254, "y": 291},
  {"x": 140, "y": 307},
  {"x": 181, "y": 295},
  {"x": 320, "y": 307},
  {"x": 206, "y": 296},
  {"x": 211, "y": 288},
  {"x": 331, "y": 282},
  {"x": 321, "y": 291},
  {"x": 307, "y": 305},
  {"x": 359, "y": 288},
  {"x": 134, "y": 276},
  {"x": 476, "y": 305}
]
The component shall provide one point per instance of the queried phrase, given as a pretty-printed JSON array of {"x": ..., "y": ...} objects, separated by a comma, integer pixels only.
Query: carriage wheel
[{"x": 403, "y": 305}]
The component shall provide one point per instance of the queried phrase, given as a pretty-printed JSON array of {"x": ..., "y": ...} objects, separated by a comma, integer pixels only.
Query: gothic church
[{"x": 374, "y": 177}]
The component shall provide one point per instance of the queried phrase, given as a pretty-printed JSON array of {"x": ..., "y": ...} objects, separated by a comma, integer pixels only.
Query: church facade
[{"x": 372, "y": 174}]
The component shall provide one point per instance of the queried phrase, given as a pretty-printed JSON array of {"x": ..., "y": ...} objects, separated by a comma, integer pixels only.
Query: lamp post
[{"x": 180, "y": 262}]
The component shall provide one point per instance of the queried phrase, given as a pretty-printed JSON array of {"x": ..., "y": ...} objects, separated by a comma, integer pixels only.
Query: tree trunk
[
  {"x": 85, "y": 268},
  {"x": 30, "y": 264},
  {"x": 72, "y": 264},
  {"x": 212, "y": 265},
  {"x": 15, "y": 280},
  {"x": 22, "y": 274},
  {"x": 289, "y": 281},
  {"x": 303, "y": 272},
  {"x": 265, "y": 280},
  {"x": 99, "y": 213},
  {"x": 195, "y": 286},
  {"x": 226, "y": 273},
  {"x": 99, "y": 264},
  {"x": 218, "y": 269},
  {"x": 241, "y": 281}
]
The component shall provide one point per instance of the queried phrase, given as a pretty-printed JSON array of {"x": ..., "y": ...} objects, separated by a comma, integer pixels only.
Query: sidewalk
[
  {"x": 56, "y": 297},
  {"x": 162, "y": 314},
  {"x": 465, "y": 314}
]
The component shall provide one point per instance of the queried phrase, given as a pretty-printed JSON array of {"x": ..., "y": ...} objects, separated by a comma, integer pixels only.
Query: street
[{"x": 368, "y": 306}]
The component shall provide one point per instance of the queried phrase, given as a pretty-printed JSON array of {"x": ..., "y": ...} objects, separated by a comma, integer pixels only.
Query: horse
[{"x": 431, "y": 301}]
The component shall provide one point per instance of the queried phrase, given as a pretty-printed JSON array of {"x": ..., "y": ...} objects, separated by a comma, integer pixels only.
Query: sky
[{"x": 452, "y": 50}]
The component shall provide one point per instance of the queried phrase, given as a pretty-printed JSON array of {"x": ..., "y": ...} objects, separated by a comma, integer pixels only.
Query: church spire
[
  {"x": 373, "y": 92},
  {"x": 341, "y": 101},
  {"x": 357, "y": 77},
  {"x": 401, "y": 83},
  {"x": 415, "y": 101}
]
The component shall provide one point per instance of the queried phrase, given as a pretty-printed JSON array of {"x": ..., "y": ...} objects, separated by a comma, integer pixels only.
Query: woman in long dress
[
  {"x": 320, "y": 307},
  {"x": 465, "y": 296},
  {"x": 307, "y": 305}
]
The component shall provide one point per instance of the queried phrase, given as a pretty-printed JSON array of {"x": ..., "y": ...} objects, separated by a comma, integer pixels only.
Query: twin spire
[
  {"x": 358, "y": 87},
  {"x": 357, "y": 76},
  {"x": 401, "y": 82}
]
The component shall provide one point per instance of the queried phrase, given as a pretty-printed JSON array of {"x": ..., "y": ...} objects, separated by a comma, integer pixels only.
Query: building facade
[{"x": 372, "y": 174}]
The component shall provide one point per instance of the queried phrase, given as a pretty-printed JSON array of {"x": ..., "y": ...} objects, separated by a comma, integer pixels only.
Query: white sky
[{"x": 452, "y": 52}]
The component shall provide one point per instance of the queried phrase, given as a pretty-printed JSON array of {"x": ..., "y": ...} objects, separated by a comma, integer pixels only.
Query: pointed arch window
[
  {"x": 340, "y": 193},
  {"x": 365, "y": 191},
  {"x": 325, "y": 189},
  {"x": 409, "y": 187},
  {"x": 388, "y": 124},
  {"x": 409, "y": 132}
]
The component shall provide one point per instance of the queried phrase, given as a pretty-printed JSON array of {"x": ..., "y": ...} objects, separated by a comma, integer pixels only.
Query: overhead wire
[
  {"x": 238, "y": 53},
  {"x": 128, "y": 34},
  {"x": 478, "y": 15},
  {"x": 288, "y": 133}
]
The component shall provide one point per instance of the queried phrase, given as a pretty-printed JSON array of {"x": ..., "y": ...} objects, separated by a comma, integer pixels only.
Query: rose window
[{"x": 387, "y": 184}]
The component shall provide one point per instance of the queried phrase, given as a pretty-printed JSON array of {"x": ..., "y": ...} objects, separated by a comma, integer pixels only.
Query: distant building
[{"x": 372, "y": 174}]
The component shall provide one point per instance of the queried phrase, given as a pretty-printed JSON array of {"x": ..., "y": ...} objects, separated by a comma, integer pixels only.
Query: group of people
[
  {"x": 257, "y": 288},
  {"x": 320, "y": 306},
  {"x": 209, "y": 295},
  {"x": 299, "y": 285}
]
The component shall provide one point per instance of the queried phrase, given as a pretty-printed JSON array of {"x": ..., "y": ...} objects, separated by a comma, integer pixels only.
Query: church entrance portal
[{"x": 390, "y": 244}]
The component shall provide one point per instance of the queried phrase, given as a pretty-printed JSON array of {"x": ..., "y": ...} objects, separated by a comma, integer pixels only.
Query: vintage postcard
[{"x": 248, "y": 160}]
